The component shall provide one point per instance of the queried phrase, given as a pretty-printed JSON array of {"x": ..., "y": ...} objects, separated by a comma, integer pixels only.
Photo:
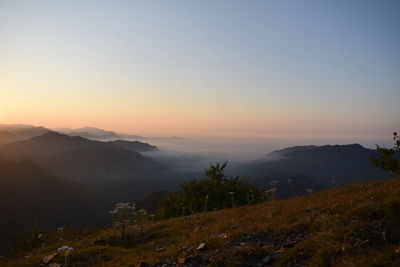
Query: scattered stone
[
  {"x": 201, "y": 246},
  {"x": 267, "y": 258},
  {"x": 48, "y": 258},
  {"x": 253, "y": 241},
  {"x": 225, "y": 236}
]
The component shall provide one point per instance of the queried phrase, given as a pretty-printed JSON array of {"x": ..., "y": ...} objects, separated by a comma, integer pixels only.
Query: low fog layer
[{"x": 239, "y": 149}]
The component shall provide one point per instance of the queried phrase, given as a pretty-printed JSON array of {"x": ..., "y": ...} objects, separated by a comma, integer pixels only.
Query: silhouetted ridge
[
  {"x": 328, "y": 165},
  {"x": 295, "y": 149},
  {"x": 134, "y": 145},
  {"x": 54, "y": 136},
  {"x": 115, "y": 167},
  {"x": 52, "y": 143},
  {"x": 16, "y": 132},
  {"x": 91, "y": 133}
]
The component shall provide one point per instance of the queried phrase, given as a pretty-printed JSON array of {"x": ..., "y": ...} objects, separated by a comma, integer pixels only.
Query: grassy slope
[{"x": 354, "y": 225}]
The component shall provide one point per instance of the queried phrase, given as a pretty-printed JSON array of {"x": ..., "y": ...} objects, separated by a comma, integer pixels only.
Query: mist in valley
[{"x": 194, "y": 153}]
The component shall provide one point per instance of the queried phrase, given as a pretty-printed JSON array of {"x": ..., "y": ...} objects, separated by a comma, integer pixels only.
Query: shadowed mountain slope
[
  {"x": 328, "y": 165},
  {"x": 114, "y": 167},
  {"x": 52, "y": 143},
  {"x": 134, "y": 145},
  {"x": 31, "y": 196}
]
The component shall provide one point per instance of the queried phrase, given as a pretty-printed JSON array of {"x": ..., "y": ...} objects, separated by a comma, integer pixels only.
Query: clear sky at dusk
[{"x": 202, "y": 67}]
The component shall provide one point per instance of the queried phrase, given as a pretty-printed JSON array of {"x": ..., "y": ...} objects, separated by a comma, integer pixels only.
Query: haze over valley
[
  {"x": 199, "y": 133},
  {"x": 114, "y": 167}
]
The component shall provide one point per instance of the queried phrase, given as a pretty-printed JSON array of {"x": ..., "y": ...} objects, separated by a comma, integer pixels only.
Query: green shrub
[
  {"x": 212, "y": 193},
  {"x": 388, "y": 160}
]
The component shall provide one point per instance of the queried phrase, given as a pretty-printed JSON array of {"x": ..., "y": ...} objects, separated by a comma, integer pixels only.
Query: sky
[{"x": 226, "y": 68}]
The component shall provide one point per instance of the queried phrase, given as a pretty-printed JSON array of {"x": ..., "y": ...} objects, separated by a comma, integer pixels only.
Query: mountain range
[
  {"x": 328, "y": 165},
  {"x": 115, "y": 167},
  {"x": 96, "y": 133},
  {"x": 49, "y": 178},
  {"x": 52, "y": 143},
  {"x": 14, "y": 132},
  {"x": 54, "y": 179}
]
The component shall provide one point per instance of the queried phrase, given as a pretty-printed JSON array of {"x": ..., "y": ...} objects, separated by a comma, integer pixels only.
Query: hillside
[
  {"x": 53, "y": 143},
  {"x": 31, "y": 196},
  {"x": 134, "y": 145},
  {"x": 116, "y": 168},
  {"x": 328, "y": 165},
  {"x": 354, "y": 225}
]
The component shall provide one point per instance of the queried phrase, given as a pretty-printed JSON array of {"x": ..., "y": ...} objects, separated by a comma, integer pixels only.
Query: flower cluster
[
  {"x": 66, "y": 250},
  {"x": 123, "y": 213}
]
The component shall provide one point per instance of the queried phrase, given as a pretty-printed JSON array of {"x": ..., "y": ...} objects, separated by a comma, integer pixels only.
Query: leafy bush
[
  {"x": 388, "y": 160},
  {"x": 213, "y": 193}
]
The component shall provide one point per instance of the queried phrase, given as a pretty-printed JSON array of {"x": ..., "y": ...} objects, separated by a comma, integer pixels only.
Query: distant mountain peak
[
  {"x": 52, "y": 143},
  {"x": 324, "y": 164},
  {"x": 17, "y": 132},
  {"x": 295, "y": 149},
  {"x": 52, "y": 135},
  {"x": 90, "y": 133}
]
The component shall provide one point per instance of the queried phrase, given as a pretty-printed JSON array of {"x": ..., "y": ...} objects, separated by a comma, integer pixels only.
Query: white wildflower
[{"x": 65, "y": 249}]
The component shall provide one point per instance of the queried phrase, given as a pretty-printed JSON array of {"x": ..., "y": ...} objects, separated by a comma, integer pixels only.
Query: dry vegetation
[{"x": 354, "y": 225}]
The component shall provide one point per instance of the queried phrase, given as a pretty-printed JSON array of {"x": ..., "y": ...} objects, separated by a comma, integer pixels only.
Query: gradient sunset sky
[{"x": 202, "y": 67}]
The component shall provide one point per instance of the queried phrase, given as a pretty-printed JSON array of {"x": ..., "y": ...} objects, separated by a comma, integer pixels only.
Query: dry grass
[{"x": 354, "y": 225}]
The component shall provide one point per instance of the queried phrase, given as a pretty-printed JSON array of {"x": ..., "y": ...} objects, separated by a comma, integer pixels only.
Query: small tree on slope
[{"x": 388, "y": 160}]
